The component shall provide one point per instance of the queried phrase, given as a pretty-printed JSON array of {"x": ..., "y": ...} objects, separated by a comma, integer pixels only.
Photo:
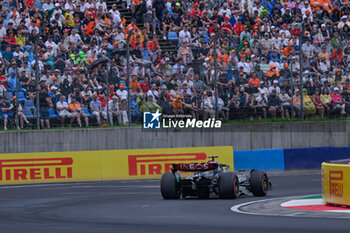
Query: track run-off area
[{"x": 137, "y": 206}]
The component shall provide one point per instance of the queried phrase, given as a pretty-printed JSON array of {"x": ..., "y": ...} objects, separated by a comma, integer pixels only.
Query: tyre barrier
[{"x": 336, "y": 182}]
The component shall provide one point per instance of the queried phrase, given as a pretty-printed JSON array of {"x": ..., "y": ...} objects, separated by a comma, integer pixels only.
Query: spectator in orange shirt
[
  {"x": 195, "y": 11},
  {"x": 134, "y": 84},
  {"x": 297, "y": 102},
  {"x": 287, "y": 51},
  {"x": 153, "y": 45},
  {"x": 254, "y": 80},
  {"x": 273, "y": 73},
  {"x": 223, "y": 57},
  {"x": 75, "y": 109},
  {"x": 337, "y": 55},
  {"x": 131, "y": 26},
  {"x": 318, "y": 5},
  {"x": 177, "y": 105},
  {"x": 336, "y": 12}
]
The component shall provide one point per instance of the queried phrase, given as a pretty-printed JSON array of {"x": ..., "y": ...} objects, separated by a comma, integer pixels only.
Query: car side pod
[{"x": 259, "y": 183}]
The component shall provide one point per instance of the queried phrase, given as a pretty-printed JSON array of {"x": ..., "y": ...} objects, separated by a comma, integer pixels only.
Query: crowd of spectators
[{"x": 258, "y": 45}]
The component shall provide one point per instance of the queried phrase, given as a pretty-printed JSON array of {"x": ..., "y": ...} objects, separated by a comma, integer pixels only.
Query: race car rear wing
[{"x": 194, "y": 167}]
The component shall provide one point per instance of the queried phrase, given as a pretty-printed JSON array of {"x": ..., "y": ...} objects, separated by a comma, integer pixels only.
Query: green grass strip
[{"x": 311, "y": 197}]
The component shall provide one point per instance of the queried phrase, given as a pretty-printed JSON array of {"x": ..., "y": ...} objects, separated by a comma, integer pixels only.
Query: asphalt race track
[{"x": 137, "y": 206}]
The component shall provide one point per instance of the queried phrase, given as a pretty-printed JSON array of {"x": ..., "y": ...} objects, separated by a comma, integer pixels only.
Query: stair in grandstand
[{"x": 165, "y": 45}]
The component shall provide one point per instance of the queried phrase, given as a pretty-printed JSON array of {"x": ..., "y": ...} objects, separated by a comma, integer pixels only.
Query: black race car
[{"x": 212, "y": 179}]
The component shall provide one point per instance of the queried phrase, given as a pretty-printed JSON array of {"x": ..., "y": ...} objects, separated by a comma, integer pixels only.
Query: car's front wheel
[
  {"x": 169, "y": 186},
  {"x": 228, "y": 185}
]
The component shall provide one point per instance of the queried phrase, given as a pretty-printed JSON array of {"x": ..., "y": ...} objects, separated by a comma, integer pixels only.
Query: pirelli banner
[
  {"x": 74, "y": 166},
  {"x": 336, "y": 182}
]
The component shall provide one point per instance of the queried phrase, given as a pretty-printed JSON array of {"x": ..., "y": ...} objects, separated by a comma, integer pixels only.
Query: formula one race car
[{"x": 212, "y": 179}]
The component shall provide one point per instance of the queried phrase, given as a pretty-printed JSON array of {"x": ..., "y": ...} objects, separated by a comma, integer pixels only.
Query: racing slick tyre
[
  {"x": 259, "y": 183},
  {"x": 228, "y": 185},
  {"x": 169, "y": 187}
]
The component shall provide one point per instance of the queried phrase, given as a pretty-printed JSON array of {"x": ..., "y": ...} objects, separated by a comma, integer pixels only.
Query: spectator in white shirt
[
  {"x": 58, "y": 17},
  {"x": 258, "y": 8},
  {"x": 33, "y": 27},
  {"x": 114, "y": 10},
  {"x": 275, "y": 87},
  {"x": 307, "y": 49},
  {"x": 48, "y": 5},
  {"x": 102, "y": 4},
  {"x": 225, "y": 12},
  {"x": 75, "y": 38},
  {"x": 51, "y": 43},
  {"x": 178, "y": 67},
  {"x": 62, "y": 109},
  {"x": 266, "y": 41},
  {"x": 57, "y": 9},
  {"x": 121, "y": 92},
  {"x": 119, "y": 35},
  {"x": 285, "y": 30},
  {"x": 185, "y": 35},
  {"x": 115, "y": 19},
  {"x": 18, "y": 53},
  {"x": 89, "y": 4},
  {"x": 113, "y": 110},
  {"x": 275, "y": 62},
  {"x": 277, "y": 42},
  {"x": 305, "y": 8},
  {"x": 2, "y": 30},
  {"x": 69, "y": 6},
  {"x": 263, "y": 88},
  {"x": 153, "y": 92}
]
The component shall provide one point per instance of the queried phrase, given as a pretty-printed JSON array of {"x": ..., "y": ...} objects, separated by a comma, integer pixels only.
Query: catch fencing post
[
  {"x": 215, "y": 77},
  {"x": 37, "y": 81},
  {"x": 128, "y": 74},
  {"x": 301, "y": 74}
]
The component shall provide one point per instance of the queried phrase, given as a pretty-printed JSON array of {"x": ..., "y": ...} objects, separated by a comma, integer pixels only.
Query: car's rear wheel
[
  {"x": 259, "y": 183},
  {"x": 228, "y": 185},
  {"x": 169, "y": 187}
]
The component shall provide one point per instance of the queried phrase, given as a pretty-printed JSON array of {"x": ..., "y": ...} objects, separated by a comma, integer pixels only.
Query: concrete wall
[{"x": 241, "y": 136}]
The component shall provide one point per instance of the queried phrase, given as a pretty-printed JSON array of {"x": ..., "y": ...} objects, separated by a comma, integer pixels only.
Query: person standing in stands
[
  {"x": 5, "y": 109},
  {"x": 113, "y": 108},
  {"x": 44, "y": 104}
]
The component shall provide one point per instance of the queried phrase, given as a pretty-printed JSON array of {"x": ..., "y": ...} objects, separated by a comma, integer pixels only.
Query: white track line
[
  {"x": 33, "y": 186},
  {"x": 236, "y": 208},
  {"x": 75, "y": 184},
  {"x": 302, "y": 202},
  {"x": 339, "y": 211}
]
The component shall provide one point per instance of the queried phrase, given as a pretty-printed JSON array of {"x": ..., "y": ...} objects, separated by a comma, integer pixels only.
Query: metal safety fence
[{"x": 217, "y": 61}]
